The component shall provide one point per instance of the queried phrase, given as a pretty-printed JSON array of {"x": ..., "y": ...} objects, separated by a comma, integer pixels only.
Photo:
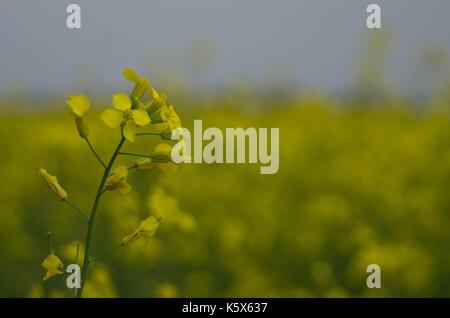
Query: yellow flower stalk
[
  {"x": 52, "y": 183},
  {"x": 129, "y": 113},
  {"x": 147, "y": 227},
  {"x": 125, "y": 116},
  {"x": 79, "y": 105},
  {"x": 118, "y": 181},
  {"x": 53, "y": 265}
]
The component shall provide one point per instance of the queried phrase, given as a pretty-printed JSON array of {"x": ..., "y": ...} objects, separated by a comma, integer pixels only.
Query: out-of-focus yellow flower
[
  {"x": 79, "y": 105},
  {"x": 147, "y": 227},
  {"x": 125, "y": 116},
  {"x": 162, "y": 151},
  {"x": 52, "y": 183},
  {"x": 118, "y": 181},
  {"x": 142, "y": 85},
  {"x": 53, "y": 265},
  {"x": 161, "y": 158},
  {"x": 145, "y": 164}
]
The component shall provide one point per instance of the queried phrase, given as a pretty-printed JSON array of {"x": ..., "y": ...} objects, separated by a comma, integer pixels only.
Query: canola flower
[
  {"x": 129, "y": 114},
  {"x": 52, "y": 183},
  {"x": 125, "y": 116},
  {"x": 53, "y": 265},
  {"x": 79, "y": 106},
  {"x": 147, "y": 227}
]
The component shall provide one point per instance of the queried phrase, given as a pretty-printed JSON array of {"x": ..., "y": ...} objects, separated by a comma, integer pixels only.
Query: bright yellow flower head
[
  {"x": 118, "y": 181},
  {"x": 79, "y": 105},
  {"x": 53, "y": 265},
  {"x": 142, "y": 85},
  {"x": 125, "y": 116},
  {"x": 52, "y": 183},
  {"x": 147, "y": 227}
]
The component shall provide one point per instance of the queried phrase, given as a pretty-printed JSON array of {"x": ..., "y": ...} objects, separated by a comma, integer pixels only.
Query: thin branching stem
[
  {"x": 73, "y": 205},
  {"x": 148, "y": 134},
  {"x": 100, "y": 191},
  {"x": 135, "y": 154},
  {"x": 95, "y": 153},
  {"x": 105, "y": 252}
]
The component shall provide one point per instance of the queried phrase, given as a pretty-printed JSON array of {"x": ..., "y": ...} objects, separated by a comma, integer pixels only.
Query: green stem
[
  {"x": 105, "y": 252},
  {"x": 134, "y": 154},
  {"x": 95, "y": 154},
  {"x": 76, "y": 208},
  {"x": 93, "y": 213},
  {"x": 75, "y": 290},
  {"x": 148, "y": 134},
  {"x": 49, "y": 246}
]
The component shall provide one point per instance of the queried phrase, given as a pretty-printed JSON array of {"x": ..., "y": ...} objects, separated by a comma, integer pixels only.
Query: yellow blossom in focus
[
  {"x": 126, "y": 116},
  {"x": 79, "y": 105},
  {"x": 147, "y": 227},
  {"x": 53, "y": 265},
  {"x": 142, "y": 85},
  {"x": 118, "y": 181},
  {"x": 52, "y": 183}
]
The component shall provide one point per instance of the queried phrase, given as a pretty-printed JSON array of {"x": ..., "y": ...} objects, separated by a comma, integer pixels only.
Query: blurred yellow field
[{"x": 355, "y": 186}]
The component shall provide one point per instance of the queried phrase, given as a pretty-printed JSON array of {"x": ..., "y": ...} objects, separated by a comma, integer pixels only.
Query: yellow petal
[
  {"x": 79, "y": 105},
  {"x": 131, "y": 75},
  {"x": 121, "y": 101},
  {"x": 118, "y": 180},
  {"x": 172, "y": 118},
  {"x": 141, "y": 117},
  {"x": 121, "y": 172},
  {"x": 149, "y": 226},
  {"x": 129, "y": 131},
  {"x": 53, "y": 265},
  {"x": 123, "y": 187},
  {"x": 112, "y": 118}
]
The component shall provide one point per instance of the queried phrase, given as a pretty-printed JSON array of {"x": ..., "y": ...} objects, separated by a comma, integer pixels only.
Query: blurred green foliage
[{"x": 358, "y": 184}]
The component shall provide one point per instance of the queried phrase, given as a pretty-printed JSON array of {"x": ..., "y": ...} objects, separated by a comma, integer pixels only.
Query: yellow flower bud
[
  {"x": 52, "y": 183},
  {"x": 79, "y": 105},
  {"x": 83, "y": 129},
  {"x": 53, "y": 265},
  {"x": 147, "y": 227}
]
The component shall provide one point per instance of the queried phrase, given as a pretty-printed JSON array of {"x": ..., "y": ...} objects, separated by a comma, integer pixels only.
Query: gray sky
[{"x": 318, "y": 41}]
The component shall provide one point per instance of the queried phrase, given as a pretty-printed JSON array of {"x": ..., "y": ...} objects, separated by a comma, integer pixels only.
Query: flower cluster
[{"x": 129, "y": 114}]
